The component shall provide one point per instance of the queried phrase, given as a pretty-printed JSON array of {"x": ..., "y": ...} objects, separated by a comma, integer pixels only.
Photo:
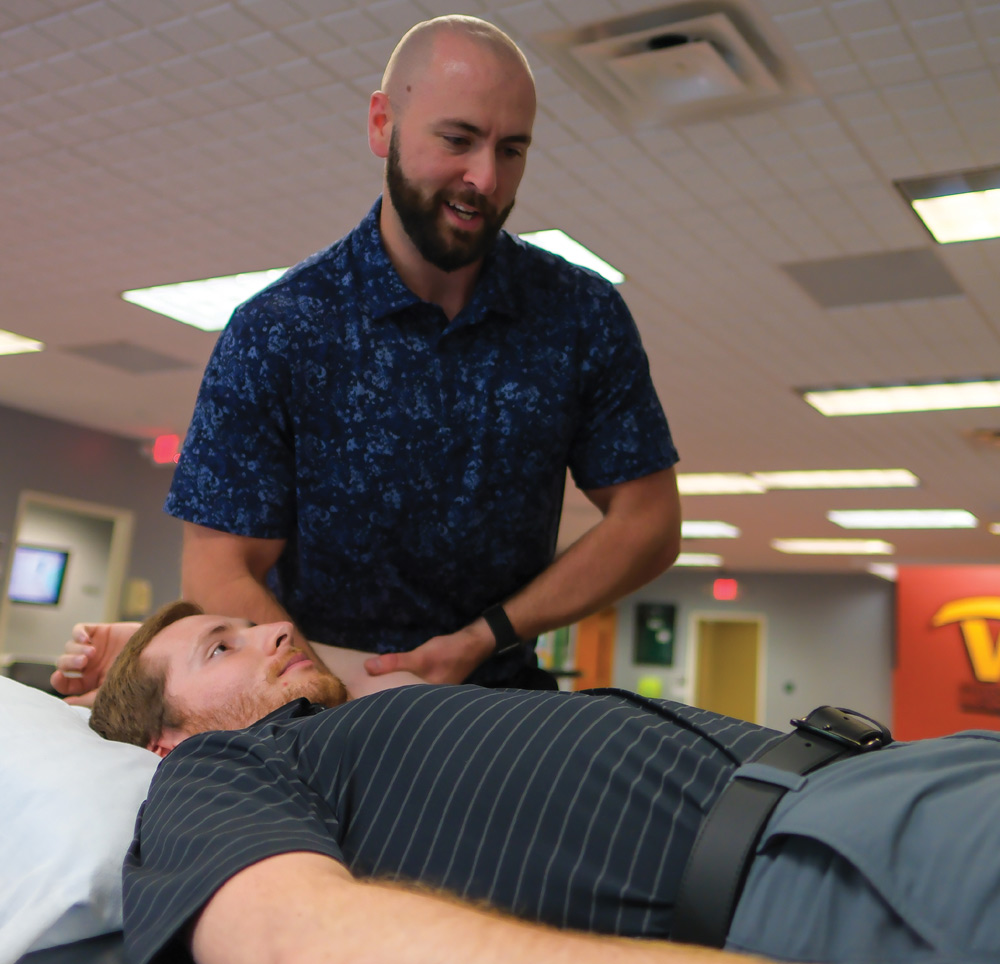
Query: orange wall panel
[{"x": 947, "y": 673}]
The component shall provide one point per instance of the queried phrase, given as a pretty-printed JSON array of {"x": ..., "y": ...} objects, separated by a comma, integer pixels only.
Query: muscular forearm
[
  {"x": 224, "y": 574},
  {"x": 239, "y": 595},
  {"x": 349, "y": 666},
  {"x": 625, "y": 550},
  {"x": 326, "y": 917},
  {"x": 635, "y": 541}
]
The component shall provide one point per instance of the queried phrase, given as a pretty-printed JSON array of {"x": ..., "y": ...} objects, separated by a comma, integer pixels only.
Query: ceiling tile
[
  {"x": 895, "y": 70},
  {"x": 874, "y": 278},
  {"x": 954, "y": 60},
  {"x": 856, "y": 16}
]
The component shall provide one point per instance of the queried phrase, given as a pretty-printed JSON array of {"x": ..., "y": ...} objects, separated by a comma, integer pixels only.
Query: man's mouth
[
  {"x": 295, "y": 660},
  {"x": 464, "y": 212}
]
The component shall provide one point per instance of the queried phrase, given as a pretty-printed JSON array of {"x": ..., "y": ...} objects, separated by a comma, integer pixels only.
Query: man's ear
[
  {"x": 379, "y": 123},
  {"x": 168, "y": 740}
]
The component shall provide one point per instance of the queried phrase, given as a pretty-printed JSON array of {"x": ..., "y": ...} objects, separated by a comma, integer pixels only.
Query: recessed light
[
  {"x": 903, "y": 518},
  {"x": 839, "y": 479},
  {"x": 994, "y": 528},
  {"x": 961, "y": 217},
  {"x": 14, "y": 344},
  {"x": 834, "y": 547},
  {"x": 964, "y": 206},
  {"x": 738, "y": 483},
  {"x": 695, "y": 529},
  {"x": 717, "y": 483},
  {"x": 879, "y": 400},
  {"x": 558, "y": 242},
  {"x": 704, "y": 559},
  {"x": 206, "y": 304}
]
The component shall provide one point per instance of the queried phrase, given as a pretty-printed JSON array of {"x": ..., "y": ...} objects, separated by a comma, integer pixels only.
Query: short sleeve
[
  {"x": 623, "y": 432},
  {"x": 218, "y": 804},
  {"x": 236, "y": 470}
]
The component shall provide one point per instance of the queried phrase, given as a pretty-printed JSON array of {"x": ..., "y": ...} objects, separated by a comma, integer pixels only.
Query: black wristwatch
[{"x": 503, "y": 632}]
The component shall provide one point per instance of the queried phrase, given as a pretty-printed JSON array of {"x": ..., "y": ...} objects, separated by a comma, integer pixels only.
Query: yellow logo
[{"x": 971, "y": 614}]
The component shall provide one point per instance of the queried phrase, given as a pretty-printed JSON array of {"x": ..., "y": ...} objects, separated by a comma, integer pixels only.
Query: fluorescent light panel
[
  {"x": 735, "y": 483},
  {"x": 964, "y": 206},
  {"x": 708, "y": 560},
  {"x": 961, "y": 217},
  {"x": 942, "y": 396},
  {"x": 14, "y": 344},
  {"x": 717, "y": 483},
  {"x": 834, "y": 547},
  {"x": 839, "y": 479},
  {"x": 206, "y": 304},
  {"x": 695, "y": 529},
  {"x": 558, "y": 242},
  {"x": 903, "y": 518}
]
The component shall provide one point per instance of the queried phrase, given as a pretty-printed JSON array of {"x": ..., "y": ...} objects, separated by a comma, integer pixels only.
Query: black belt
[{"x": 720, "y": 858}]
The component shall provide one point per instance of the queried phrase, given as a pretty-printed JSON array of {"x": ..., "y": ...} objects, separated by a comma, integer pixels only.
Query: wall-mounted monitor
[{"x": 37, "y": 574}]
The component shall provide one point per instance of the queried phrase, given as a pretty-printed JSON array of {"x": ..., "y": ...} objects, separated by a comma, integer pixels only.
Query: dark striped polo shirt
[{"x": 577, "y": 810}]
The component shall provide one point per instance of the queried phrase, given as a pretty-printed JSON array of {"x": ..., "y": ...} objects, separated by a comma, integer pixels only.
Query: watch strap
[{"x": 503, "y": 632}]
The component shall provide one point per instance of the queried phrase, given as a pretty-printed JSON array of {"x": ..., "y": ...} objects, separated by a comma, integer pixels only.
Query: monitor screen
[{"x": 36, "y": 575}]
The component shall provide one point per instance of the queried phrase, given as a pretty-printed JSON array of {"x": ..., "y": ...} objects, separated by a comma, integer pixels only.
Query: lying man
[{"x": 426, "y": 823}]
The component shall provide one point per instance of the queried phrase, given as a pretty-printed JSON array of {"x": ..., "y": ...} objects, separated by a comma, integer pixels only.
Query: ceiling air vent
[{"x": 678, "y": 63}]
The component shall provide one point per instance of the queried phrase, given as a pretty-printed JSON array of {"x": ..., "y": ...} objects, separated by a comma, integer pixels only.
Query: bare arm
[
  {"x": 324, "y": 916},
  {"x": 348, "y": 665},
  {"x": 637, "y": 539},
  {"x": 224, "y": 573}
]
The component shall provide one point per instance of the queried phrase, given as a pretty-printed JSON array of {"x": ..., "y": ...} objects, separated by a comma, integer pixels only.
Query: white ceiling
[{"x": 149, "y": 141}]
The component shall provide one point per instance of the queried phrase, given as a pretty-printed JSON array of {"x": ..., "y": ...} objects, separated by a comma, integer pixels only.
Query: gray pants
[{"x": 885, "y": 858}]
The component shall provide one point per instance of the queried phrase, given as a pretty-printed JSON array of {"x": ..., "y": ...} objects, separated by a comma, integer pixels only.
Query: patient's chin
[
  {"x": 325, "y": 690},
  {"x": 248, "y": 708}
]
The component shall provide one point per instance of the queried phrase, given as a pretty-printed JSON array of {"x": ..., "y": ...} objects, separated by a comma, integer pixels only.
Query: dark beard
[{"x": 442, "y": 246}]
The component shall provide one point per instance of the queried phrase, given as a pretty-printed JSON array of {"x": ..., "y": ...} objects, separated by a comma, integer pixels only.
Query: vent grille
[{"x": 680, "y": 63}]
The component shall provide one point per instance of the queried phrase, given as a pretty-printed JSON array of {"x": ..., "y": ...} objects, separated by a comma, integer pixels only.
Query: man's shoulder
[
  {"x": 529, "y": 281},
  {"x": 532, "y": 266}
]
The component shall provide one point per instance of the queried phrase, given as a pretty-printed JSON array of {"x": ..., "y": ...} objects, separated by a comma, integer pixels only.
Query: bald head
[{"x": 421, "y": 48}]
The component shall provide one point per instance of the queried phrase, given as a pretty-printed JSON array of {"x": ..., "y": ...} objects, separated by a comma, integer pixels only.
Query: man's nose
[
  {"x": 276, "y": 635},
  {"x": 481, "y": 173}
]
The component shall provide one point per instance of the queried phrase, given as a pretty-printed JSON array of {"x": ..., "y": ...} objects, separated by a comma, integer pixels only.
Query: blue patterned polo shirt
[{"x": 415, "y": 467}]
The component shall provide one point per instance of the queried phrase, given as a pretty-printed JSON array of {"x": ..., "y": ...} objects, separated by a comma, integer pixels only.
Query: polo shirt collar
[{"x": 385, "y": 293}]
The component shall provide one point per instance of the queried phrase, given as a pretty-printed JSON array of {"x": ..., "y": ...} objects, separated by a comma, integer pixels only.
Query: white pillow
[{"x": 68, "y": 802}]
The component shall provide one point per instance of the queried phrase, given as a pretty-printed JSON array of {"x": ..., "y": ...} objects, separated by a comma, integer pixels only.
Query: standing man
[{"x": 381, "y": 437}]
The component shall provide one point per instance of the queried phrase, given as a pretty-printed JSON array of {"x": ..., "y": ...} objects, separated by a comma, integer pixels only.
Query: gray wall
[
  {"x": 827, "y": 638},
  {"x": 66, "y": 460}
]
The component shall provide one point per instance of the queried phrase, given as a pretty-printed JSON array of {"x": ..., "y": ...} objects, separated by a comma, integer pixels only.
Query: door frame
[
  {"x": 700, "y": 616},
  {"x": 122, "y": 525}
]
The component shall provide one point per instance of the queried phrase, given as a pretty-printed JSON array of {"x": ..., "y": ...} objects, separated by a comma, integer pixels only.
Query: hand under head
[{"x": 185, "y": 672}]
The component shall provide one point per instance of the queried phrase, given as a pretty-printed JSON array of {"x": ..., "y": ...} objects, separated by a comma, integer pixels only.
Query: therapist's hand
[
  {"x": 442, "y": 659},
  {"x": 89, "y": 653}
]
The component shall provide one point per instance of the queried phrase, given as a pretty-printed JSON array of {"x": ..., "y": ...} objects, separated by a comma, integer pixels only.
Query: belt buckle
[{"x": 847, "y": 727}]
